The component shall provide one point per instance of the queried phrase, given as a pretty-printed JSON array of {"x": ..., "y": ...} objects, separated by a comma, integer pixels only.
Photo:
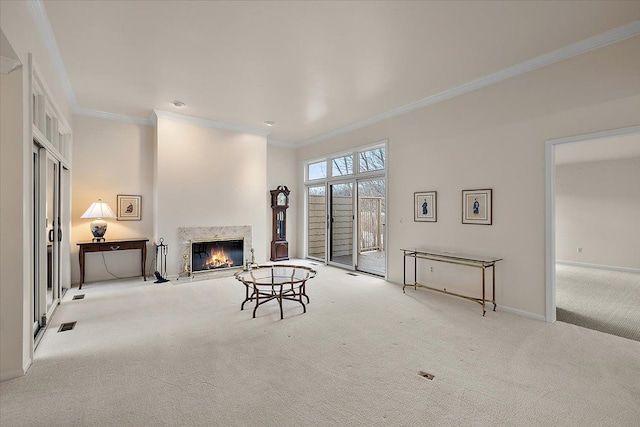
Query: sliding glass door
[
  {"x": 346, "y": 208},
  {"x": 317, "y": 222},
  {"x": 341, "y": 224},
  {"x": 371, "y": 226},
  {"x": 47, "y": 235}
]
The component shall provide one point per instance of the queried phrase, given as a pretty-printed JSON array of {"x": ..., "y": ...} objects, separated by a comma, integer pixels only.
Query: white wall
[
  {"x": 14, "y": 251},
  {"x": 111, "y": 158},
  {"x": 209, "y": 177},
  {"x": 598, "y": 209},
  {"x": 16, "y": 280},
  {"x": 17, "y": 24},
  {"x": 281, "y": 170},
  {"x": 495, "y": 138}
]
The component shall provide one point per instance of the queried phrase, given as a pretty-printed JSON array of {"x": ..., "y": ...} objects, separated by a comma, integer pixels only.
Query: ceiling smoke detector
[
  {"x": 178, "y": 104},
  {"x": 269, "y": 123}
]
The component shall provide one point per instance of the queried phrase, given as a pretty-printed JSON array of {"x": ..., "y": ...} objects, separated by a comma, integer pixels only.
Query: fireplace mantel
[{"x": 188, "y": 234}]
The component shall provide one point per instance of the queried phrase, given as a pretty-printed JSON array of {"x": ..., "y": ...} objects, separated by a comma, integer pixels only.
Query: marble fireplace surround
[{"x": 187, "y": 234}]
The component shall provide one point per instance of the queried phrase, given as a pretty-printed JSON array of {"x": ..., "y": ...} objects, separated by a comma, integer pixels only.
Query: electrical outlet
[
  {"x": 579, "y": 249},
  {"x": 431, "y": 269}
]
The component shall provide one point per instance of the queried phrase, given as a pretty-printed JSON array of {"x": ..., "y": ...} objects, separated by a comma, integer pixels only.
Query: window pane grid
[
  {"x": 342, "y": 166},
  {"x": 317, "y": 170}
]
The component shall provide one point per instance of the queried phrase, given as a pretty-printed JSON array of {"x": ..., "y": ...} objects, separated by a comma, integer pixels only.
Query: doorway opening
[{"x": 592, "y": 205}]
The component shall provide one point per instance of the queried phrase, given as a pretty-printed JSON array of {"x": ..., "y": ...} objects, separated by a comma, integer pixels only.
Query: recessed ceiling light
[
  {"x": 178, "y": 104},
  {"x": 269, "y": 123}
]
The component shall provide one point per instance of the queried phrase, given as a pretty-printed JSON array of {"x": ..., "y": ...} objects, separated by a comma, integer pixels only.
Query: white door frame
[
  {"x": 354, "y": 240},
  {"x": 550, "y": 208},
  {"x": 357, "y": 224}
]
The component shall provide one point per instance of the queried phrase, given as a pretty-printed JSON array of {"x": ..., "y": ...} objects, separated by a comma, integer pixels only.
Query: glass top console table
[{"x": 481, "y": 262}]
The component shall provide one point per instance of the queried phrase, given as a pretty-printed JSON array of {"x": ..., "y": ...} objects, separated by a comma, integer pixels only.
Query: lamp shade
[{"x": 99, "y": 209}]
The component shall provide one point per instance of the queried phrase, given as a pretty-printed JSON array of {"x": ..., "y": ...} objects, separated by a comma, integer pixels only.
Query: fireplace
[{"x": 213, "y": 255}]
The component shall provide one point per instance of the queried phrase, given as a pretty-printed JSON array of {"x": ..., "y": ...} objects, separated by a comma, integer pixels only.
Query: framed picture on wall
[
  {"x": 476, "y": 207},
  {"x": 425, "y": 206},
  {"x": 129, "y": 207}
]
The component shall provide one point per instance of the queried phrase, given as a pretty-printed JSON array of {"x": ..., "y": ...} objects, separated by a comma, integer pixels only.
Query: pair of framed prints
[{"x": 476, "y": 206}]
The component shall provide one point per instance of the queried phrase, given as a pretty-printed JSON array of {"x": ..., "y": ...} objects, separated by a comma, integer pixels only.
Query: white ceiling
[{"x": 312, "y": 67}]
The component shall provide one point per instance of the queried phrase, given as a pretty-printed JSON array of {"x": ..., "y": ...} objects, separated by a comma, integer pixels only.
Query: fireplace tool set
[{"x": 161, "y": 260}]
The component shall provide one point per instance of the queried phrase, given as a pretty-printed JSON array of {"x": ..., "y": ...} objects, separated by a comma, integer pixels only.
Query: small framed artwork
[
  {"x": 425, "y": 206},
  {"x": 476, "y": 207},
  {"x": 129, "y": 207}
]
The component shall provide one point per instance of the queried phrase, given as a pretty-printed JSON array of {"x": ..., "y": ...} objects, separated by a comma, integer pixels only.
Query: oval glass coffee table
[{"x": 279, "y": 281}]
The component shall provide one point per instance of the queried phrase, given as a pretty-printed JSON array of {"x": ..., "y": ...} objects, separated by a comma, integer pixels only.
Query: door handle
[
  {"x": 59, "y": 234},
  {"x": 51, "y": 235}
]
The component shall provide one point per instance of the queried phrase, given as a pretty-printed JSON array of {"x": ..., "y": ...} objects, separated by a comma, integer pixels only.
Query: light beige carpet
[
  {"x": 183, "y": 354},
  {"x": 604, "y": 300}
]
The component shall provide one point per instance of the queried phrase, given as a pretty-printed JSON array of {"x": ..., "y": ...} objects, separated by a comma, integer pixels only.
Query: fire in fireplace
[{"x": 216, "y": 254}]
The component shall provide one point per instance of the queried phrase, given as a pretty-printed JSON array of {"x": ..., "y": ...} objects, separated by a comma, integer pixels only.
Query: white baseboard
[
  {"x": 519, "y": 312},
  {"x": 504, "y": 308},
  {"x": 14, "y": 374},
  {"x": 600, "y": 266}
]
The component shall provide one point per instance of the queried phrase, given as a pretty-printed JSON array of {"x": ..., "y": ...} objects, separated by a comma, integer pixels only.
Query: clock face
[{"x": 282, "y": 199}]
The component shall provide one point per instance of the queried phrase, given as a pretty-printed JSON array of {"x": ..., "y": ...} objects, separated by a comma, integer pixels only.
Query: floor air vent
[
  {"x": 81, "y": 296},
  {"x": 352, "y": 274},
  {"x": 67, "y": 326},
  {"x": 426, "y": 375}
]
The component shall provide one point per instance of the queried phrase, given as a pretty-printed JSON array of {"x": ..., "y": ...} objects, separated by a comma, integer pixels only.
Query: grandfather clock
[{"x": 279, "y": 205}]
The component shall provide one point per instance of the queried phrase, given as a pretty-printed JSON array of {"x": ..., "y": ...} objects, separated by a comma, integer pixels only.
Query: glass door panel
[
  {"x": 317, "y": 222},
  {"x": 341, "y": 224},
  {"x": 52, "y": 219},
  {"x": 371, "y": 226},
  {"x": 37, "y": 311}
]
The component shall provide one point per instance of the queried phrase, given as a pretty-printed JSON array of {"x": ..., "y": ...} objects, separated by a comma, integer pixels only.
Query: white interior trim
[
  {"x": 7, "y": 64},
  {"x": 517, "y": 312},
  {"x": 281, "y": 143},
  {"x": 584, "y": 46},
  {"x": 211, "y": 123},
  {"x": 17, "y": 372},
  {"x": 550, "y": 209},
  {"x": 499, "y": 307},
  {"x": 111, "y": 116},
  {"x": 37, "y": 9},
  {"x": 599, "y": 266},
  {"x": 608, "y": 37},
  {"x": 12, "y": 374}
]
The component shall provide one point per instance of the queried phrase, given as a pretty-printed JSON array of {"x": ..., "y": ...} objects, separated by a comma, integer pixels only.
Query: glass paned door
[
  {"x": 341, "y": 224},
  {"x": 38, "y": 312},
  {"x": 52, "y": 221},
  {"x": 317, "y": 222},
  {"x": 371, "y": 226},
  {"x": 47, "y": 235}
]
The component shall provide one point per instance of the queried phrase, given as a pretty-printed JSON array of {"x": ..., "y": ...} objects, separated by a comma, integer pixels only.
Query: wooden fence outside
[{"x": 371, "y": 222}]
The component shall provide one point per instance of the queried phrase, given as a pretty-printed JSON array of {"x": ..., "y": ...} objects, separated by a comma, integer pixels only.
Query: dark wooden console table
[{"x": 112, "y": 245}]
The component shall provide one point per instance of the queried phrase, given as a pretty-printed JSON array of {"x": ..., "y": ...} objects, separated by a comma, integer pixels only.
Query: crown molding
[
  {"x": 584, "y": 46},
  {"x": 211, "y": 123},
  {"x": 596, "y": 135},
  {"x": 37, "y": 9},
  {"x": 7, "y": 65},
  {"x": 283, "y": 144},
  {"x": 111, "y": 116},
  {"x": 615, "y": 35}
]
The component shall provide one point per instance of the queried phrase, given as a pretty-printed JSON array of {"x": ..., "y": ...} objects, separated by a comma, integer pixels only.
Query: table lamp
[{"x": 98, "y": 210}]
